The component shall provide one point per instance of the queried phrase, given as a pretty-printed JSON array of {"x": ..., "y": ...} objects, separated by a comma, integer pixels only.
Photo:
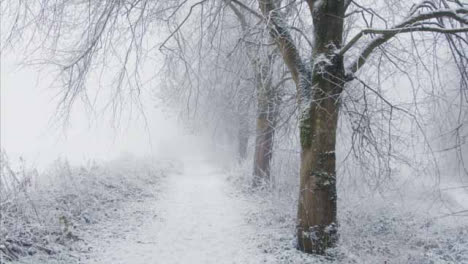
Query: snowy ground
[
  {"x": 199, "y": 213},
  {"x": 196, "y": 220},
  {"x": 192, "y": 215}
]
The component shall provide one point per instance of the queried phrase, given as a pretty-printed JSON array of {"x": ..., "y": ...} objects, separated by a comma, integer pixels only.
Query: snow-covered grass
[
  {"x": 49, "y": 213},
  {"x": 124, "y": 212},
  {"x": 411, "y": 225}
]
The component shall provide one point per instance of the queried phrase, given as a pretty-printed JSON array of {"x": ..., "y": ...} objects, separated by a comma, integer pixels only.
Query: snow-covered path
[{"x": 196, "y": 219}]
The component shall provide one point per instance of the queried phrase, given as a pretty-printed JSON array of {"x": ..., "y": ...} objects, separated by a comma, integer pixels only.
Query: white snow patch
[{"x": 197, "y": 220}]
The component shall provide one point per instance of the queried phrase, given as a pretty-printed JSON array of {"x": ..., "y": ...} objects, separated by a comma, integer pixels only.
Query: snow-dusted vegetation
[
  {"x": 318, "y": 131},
  {"x": 51, "y": 213},
  {"x": 415, "y": 223},
  {"x": 125, "y": 211}
]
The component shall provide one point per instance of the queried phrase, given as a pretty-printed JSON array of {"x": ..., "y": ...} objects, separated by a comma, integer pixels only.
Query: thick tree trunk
[
  {"x": 316, "y": 229},
  {"x": 318, "y": 87},
  {"x": 317, "y": 223},
  {"x": 267, "y": 115}
]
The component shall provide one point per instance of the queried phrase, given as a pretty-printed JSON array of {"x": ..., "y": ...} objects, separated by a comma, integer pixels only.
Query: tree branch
[
  {"x": 397, "y": 31},
  {"x": 279, "y": 32},
  {"x": 181, "y": 24},
  {"x": 403, "y": 27},
  {"x": 250, "y": 10},
  {"x": 239, "y": 15}
]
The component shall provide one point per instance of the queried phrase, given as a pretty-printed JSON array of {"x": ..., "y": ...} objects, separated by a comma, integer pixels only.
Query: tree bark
[
  {"x": 317, "y": 223},
  {"x": 267, "y": 115},
  {"x": 263, "y": 147},
  {"x": 267, "y": 110},
  {"x": 319, "y": 86},
  {"x": 243, "y": 136},
  {"x": 316, "y": 226}
]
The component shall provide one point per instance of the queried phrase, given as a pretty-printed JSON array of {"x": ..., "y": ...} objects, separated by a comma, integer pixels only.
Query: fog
[
  {"x": 191, "y": 131},
  {"x": 33, "y": 130}
]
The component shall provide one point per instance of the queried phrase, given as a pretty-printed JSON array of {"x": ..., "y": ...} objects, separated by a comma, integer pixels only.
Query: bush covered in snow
[
  {"x": 409, "y": 225},
  {"x": 45, "y": 212}
]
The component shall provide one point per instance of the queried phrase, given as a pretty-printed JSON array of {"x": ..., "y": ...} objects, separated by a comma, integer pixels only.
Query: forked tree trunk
[
  {"x": 319, "y": 88},
  {"x": 267, "y": 115},
  {"x": 317, "y": 223}
]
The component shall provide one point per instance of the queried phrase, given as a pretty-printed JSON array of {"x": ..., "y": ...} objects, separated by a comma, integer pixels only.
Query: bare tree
[
  {"x": 269, "y": 78},
  {"x": 321, "y": 78},
  {"x": 243, "y": 46},
  {"x": 310, "y": 36}
]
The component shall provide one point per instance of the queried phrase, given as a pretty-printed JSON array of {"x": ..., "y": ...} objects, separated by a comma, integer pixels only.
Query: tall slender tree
[{"x": 267, "y": 95}]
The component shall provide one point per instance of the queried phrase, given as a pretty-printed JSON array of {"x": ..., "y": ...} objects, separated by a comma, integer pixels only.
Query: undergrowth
[
  {"x": 373, "y": 227},
  {"x": 45, "y": 213}
]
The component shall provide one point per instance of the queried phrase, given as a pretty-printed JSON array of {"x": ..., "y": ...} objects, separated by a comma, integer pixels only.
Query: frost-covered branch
[
  {"x": 280, "y": 33},
  {"x": 181, "y": 23},
  {"x": 394, "y": 31},
  {"x": 250, "y": 10},
  {"x": 404, "y": 27}
]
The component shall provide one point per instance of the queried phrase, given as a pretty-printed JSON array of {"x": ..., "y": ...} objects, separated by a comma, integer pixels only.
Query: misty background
[
  {"x": 197, "y": 126},
  {"x": 33, "y": 130}
]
